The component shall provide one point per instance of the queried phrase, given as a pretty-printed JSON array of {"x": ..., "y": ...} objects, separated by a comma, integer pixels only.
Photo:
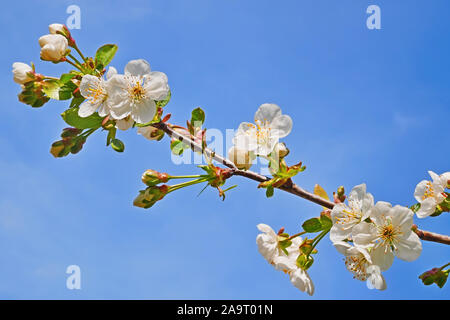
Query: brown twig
[{"x": 288, "y": 187}]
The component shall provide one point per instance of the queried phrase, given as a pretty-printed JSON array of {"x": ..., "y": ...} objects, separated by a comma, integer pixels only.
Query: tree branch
[{"x": 288, "y": 187}]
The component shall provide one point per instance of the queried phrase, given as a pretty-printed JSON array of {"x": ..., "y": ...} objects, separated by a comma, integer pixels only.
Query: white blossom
[
  {"x": 389, "y": 233},
  {"x": 345, "y": 217},
  {"x": 261, "y": 137},
  {"x": 53, "y": 47},
  {"x": 268, "y": 246},
  {"x": 135, "y": 92},
  {"x": 431, "y": 193},
  {"x": 95, "y": 90},
  {"x": 362, "y": 264}
]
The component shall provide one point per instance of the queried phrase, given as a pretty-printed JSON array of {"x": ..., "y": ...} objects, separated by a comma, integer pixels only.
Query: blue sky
[{"x": 368, "y": 106}]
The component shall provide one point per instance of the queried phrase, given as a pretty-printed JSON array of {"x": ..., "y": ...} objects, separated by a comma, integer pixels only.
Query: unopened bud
[
  {"x": 281, "y": 149},
  {"x": 435, "y": 275},
  {"x": 241, "y": 158},
  {"x": 70, "y": 132},
  {"x": 152, "y": 177},
  {"x": 340, "y": 191},
  {"x": 148, "y": 197}
]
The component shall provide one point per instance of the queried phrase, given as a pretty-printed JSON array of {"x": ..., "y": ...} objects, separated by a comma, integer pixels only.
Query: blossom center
[
  {"x": 357, "y": 266},
  {"x": 136, "y": 90},
  {"x": 429, "y": 191},
  {"x": 96, "y": 93},
  {"x": 348, "y": 216},
  {"x": 389, "y": 233}
]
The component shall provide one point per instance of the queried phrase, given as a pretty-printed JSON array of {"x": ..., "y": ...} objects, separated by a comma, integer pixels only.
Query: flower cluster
[
  {"x": 128, "y": 98},
  {"x": 370, "y": 235},
  {"x": 431, "y": 196}
]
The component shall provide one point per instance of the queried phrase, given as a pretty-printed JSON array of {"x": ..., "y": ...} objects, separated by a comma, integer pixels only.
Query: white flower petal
[
  {"x": 420, "y": 190},
  {"x": 138, "y": 67},
  {"x": 267, "y": 112},
  {"x": 410, "y": 248},
  {"x": 281, "y": 126},
  {"x": 111, "y": 72},
  {"x": 427, "y": 208},
  {"x": 364, "y": 234},
  {"x": 382, "y": 257},
  {"x": 156, "y": 85},
  {"x": 144, "y": 111},
  {"x": 87, "y": 108},
  {"x": 124, "y": 124},
  {"x": 402, "y": 217}
]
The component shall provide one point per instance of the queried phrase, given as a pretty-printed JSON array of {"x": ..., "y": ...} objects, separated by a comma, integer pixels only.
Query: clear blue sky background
[{"x": 368, "y": 106}]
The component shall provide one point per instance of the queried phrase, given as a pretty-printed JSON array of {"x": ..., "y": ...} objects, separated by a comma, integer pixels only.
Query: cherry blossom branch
[{"x": 288, "y": 187}]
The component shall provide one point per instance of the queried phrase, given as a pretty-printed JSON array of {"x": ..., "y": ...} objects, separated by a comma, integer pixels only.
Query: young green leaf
[
  {"x": 198, "y": 117},
  {"x": 104, "y": 55},
  {"x": 117, "y": 145},
  {"x": 72, "y": 118},
  {"x": 312, "y": 225}
]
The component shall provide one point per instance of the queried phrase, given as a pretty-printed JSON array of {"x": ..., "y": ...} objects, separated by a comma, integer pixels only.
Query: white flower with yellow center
[
  {"x": 389, "y": 233},
  {"x": 362, "y": 265},
  {"x": 345, "y": 217},
  {"x": 431, "y": 193},
  {"x": 94, "y": 89},
  {"x": 135, "y": 92},
  {"x": 261, "y": 137}
]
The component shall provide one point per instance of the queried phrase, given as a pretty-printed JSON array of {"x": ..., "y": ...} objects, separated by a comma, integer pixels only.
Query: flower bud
[
  {"x": 241, "y": 158},
  {"x": 54, "y": 28},
  {"x": 21, "y": 72},
  {"x": 281, "y": 149},
  {"x": 151, "y": 133},
  {"x": 53, "y": 47},
  {"x": 152, "y": 177},
  {"x": 70, "y": 132},
  {"x": 148, "y": 197},
  {"x": 435, "y": 275}
]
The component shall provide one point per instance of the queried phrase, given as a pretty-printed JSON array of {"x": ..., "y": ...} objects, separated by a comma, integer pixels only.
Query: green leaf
[
  {"x": 104, "y": 55},
  {"x": 198, "y": 117},
  {"x": 162, "y": 103},
  {"x": 177, "y": 147},
  {"x": 305, "y": 261},
  {"x": 111, "y": 136},
  {"x": 117, "y": 145},
  {"x": 66, "y": 77},
  {"x": 312, "y": 225},
  {"x": 55, "y": 89},
  {"x": 284, "y": 244},
  {"x": 326, "y": 222},
  {"x": 269, "y": 191},
  {"x": 76, "y": 101},
  {"x": 72, "y": 118}
]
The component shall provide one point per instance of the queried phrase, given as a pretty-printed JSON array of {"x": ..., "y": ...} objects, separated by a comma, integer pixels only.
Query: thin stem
[
  {"x": 317, "y": 240},
  {"x": 79, "y": 52},
  {"x": 287, "y": 187},
  {"x": 296, "y": 235},
  {"x": 445, "y": 265},
  {"x": 73, "y": 64},
  {"x": 186, "y": 184},
  {"x": 75, "y": 59},
  {"x": 189, "y": 177}
]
